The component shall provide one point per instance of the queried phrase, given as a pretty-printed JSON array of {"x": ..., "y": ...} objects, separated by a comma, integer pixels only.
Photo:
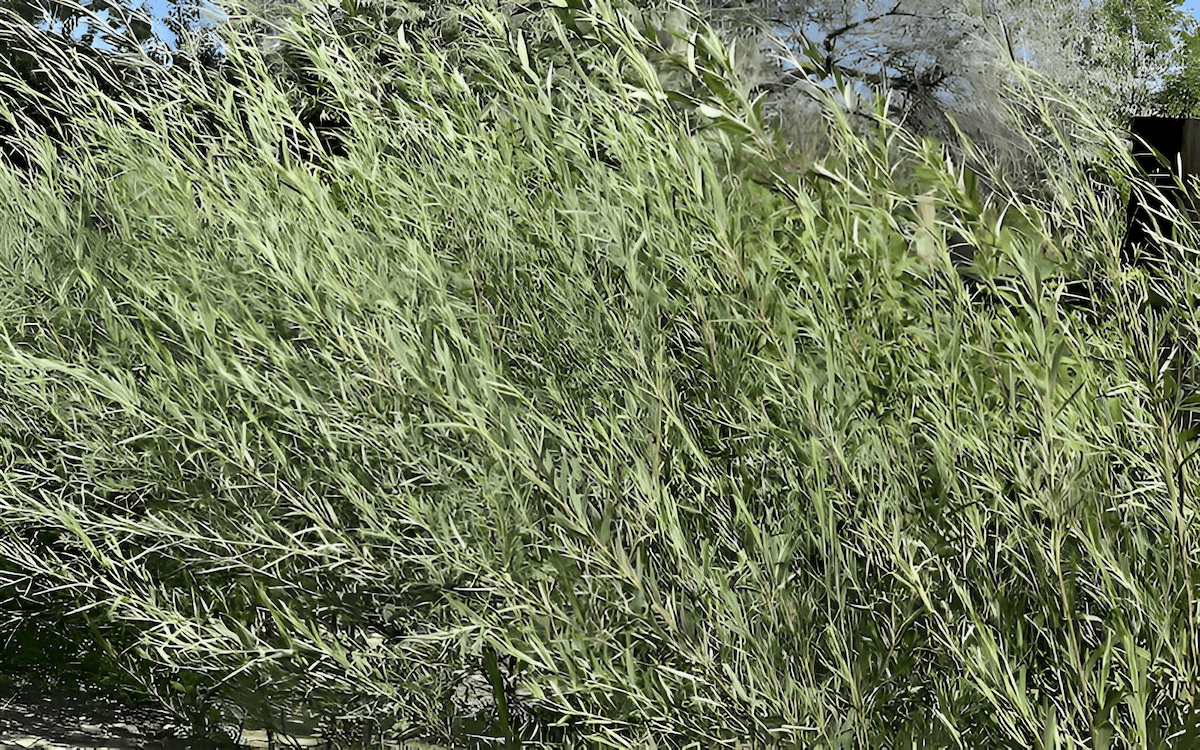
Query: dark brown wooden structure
[{"x": 1178, "y": 140}]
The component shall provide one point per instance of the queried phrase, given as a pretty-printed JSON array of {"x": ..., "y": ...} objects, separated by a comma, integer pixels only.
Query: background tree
[
  {"x": 1180, "y": 94},
  {"x": 937, "y": 59},
  {"x": 938, "y": 56},
  {"x": 1171, "y": 56},
  {"x": 1156, "y": 50}
]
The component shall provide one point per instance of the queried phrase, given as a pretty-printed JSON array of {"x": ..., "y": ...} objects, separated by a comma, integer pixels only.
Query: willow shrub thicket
[{"x": 569, "y": 376}]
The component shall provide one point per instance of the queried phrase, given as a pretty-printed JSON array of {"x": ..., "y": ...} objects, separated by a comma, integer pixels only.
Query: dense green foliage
[{"x": 560, "y": 369}]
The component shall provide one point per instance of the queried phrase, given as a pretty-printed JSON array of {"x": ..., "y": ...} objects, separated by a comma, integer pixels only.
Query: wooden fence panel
[{"x": 1178, "y": 140}]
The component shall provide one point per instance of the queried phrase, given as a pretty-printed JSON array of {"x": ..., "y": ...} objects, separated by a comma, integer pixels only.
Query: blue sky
[{"x": 160, "y": 9}]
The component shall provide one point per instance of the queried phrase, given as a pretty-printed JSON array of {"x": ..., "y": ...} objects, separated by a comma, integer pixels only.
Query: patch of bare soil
[
  {"x": 51, "y": 697},
  {"x": 67, "y": 714},
  {"x": 39, "y": 711}
]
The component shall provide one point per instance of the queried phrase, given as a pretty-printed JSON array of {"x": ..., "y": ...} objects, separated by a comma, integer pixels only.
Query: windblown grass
[{"x": 578, "y": 380}]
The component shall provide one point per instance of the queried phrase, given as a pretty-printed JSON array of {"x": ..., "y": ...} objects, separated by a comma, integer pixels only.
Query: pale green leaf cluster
[{"x": 572, "y": 376}]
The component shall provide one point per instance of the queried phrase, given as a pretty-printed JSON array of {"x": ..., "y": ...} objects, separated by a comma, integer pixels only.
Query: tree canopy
[
  {"x": 946, "y": 56},
  {"x": 1163, "y": 47}
]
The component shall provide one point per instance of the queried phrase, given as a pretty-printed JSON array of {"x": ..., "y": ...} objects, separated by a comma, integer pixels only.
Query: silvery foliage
[
  {"x": 943, "y": 55},
  {"x": 935, "y": 58}
]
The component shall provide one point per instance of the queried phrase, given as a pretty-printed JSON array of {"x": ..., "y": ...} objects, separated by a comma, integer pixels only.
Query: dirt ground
[
  {"x": 36, "y": 711},
  {"x": 39, "y": 712}
]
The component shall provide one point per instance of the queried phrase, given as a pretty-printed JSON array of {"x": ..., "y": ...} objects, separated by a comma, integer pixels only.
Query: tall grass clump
[{"x": 566, "y": 375}]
